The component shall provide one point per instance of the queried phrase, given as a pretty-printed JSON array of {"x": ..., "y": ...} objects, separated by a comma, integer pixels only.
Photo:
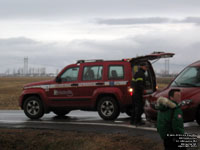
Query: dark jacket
[
  {"x": 138, "y": 81},
  {"x": 169, "y": 120}
]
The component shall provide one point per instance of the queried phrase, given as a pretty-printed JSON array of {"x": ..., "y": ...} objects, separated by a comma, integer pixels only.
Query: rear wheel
[
  {"x": 33, "y": 107},
  {"x": 198, "y": 116},
  {"x": 108, "y": 108},
  {"x": 61, "y": 113}
]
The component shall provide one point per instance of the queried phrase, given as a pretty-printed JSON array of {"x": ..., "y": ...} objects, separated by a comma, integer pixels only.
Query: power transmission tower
[
  {"x": 25, "y": 65},
  {"x": 166, "y": 66}
]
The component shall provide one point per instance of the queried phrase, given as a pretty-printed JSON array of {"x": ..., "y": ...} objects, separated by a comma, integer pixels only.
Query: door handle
[
  {"x": 100, "y": 83},
  {"x": 75, "y": 84}
]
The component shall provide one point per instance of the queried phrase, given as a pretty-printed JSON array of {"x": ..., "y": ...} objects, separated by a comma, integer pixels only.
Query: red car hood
[
  {"x": 39, "y": 83},
  {"x": 186, "y": 93}
]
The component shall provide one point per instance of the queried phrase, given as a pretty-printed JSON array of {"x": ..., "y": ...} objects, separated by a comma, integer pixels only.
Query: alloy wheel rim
[
  {"x": 107, "y": 108},
  {"x": 33, "y": 107}
]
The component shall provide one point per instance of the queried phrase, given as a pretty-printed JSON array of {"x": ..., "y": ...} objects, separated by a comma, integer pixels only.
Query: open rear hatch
[
  {"x": 152, "y": 56},
  {"x": 150, "y": 74}
]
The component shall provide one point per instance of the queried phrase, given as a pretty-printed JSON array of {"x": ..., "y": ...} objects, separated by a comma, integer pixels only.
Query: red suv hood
[{"x": 39, "y": 83}]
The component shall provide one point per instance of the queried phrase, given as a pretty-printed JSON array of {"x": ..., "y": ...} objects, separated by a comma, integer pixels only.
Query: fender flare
[
  {"x": 36, "y": 92},
  {"x": 114, "y": 92}
]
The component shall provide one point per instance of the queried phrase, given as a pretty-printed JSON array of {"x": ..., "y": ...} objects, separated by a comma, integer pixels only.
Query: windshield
[{"x": 190, "y": 77}]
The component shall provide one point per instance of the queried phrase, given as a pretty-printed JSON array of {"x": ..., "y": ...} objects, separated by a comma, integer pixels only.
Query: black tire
[
  {"x": 108, "y": 108},
  {"x": 33, "y": 107},
  {"x": 198, "y": 116},
  {"x": 61, "y": 113}
]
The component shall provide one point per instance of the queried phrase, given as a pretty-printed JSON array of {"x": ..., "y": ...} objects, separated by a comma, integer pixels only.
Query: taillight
[{"x": 130, "y": 91}]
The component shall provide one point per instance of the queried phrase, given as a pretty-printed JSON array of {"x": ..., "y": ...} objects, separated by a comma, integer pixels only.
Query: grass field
[
  {"x": 163, "y": 82},
  {"x": 11, "y": 88},
  {"x": 27, "y": 139}
]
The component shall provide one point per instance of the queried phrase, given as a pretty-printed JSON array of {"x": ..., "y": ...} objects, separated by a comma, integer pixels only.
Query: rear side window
[
  {"x": 92, "y": 73},
  {"x": 116, "y": 72},
  {"x": 70, "y": 74}
]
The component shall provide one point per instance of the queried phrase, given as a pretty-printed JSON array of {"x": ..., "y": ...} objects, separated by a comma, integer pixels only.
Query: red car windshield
[{"x": 190, "y": 77}]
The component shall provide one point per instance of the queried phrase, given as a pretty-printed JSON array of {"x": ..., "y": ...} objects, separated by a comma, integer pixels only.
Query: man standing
[
  {"x": 138, "y": 84},
  {"x": 170, "y": 119}
]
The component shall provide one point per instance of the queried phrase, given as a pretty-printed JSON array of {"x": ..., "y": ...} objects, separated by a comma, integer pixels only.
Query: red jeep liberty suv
[{"x": 96, "y": 85}]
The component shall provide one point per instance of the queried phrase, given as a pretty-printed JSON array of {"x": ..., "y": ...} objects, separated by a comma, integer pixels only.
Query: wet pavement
[{"x": 85, "y": 121}]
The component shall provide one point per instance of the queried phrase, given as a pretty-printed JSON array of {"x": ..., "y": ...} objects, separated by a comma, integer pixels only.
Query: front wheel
[
  {"x": 33, "y": 107},
  {"x": 108, "y": 108},
  {"x": 198, "y": 116}
]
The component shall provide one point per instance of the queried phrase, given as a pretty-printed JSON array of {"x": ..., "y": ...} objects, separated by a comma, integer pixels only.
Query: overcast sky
[{"x": 55, "y": 33}]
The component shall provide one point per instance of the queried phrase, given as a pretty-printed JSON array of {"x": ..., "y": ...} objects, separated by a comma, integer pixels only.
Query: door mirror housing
[{"x": 58, "y": 79}]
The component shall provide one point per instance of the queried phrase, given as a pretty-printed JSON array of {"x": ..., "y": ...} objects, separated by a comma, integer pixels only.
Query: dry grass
[
  {"x": 14, "y": 139},
  {"x": 162, "y": 82},
  {"x": 11, "y": 88}
]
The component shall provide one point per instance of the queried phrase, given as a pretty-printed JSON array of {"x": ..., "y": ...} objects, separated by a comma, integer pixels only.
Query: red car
[
  {"x": 97, "y": 85},
  {"x": 188, "y": 81}
]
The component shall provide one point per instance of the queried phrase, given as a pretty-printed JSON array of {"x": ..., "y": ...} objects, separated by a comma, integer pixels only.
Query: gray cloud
[
  {"x": 45, "y": 9},
  {"x": 195, "y": 20},
  {"x": 16, "y": 41},
  {"x": 185, "y": 43},
  {"x": 149, "y": 20},
  {"x": 128, "y": 21},
  {"x": 55, "y": 56}
]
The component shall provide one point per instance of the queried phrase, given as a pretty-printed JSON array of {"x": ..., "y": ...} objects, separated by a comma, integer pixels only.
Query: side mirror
[{"x": 58, "y": 79}]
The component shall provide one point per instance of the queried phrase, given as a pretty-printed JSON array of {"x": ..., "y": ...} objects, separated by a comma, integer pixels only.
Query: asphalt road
[{"x": 85, "y": 121}]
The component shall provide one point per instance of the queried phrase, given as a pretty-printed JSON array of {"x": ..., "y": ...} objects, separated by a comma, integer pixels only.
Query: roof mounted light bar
[{"x": 91, "y": 60}]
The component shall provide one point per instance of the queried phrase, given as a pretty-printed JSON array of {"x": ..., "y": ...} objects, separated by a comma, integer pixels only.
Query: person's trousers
[{"x": 137, "y": 107}]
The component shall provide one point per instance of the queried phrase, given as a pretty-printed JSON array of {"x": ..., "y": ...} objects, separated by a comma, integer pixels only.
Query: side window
[
  {"x": 92, "y": 73},
  {"x": 116, "y": 72},
  {"x": 70, "y": 74}
]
